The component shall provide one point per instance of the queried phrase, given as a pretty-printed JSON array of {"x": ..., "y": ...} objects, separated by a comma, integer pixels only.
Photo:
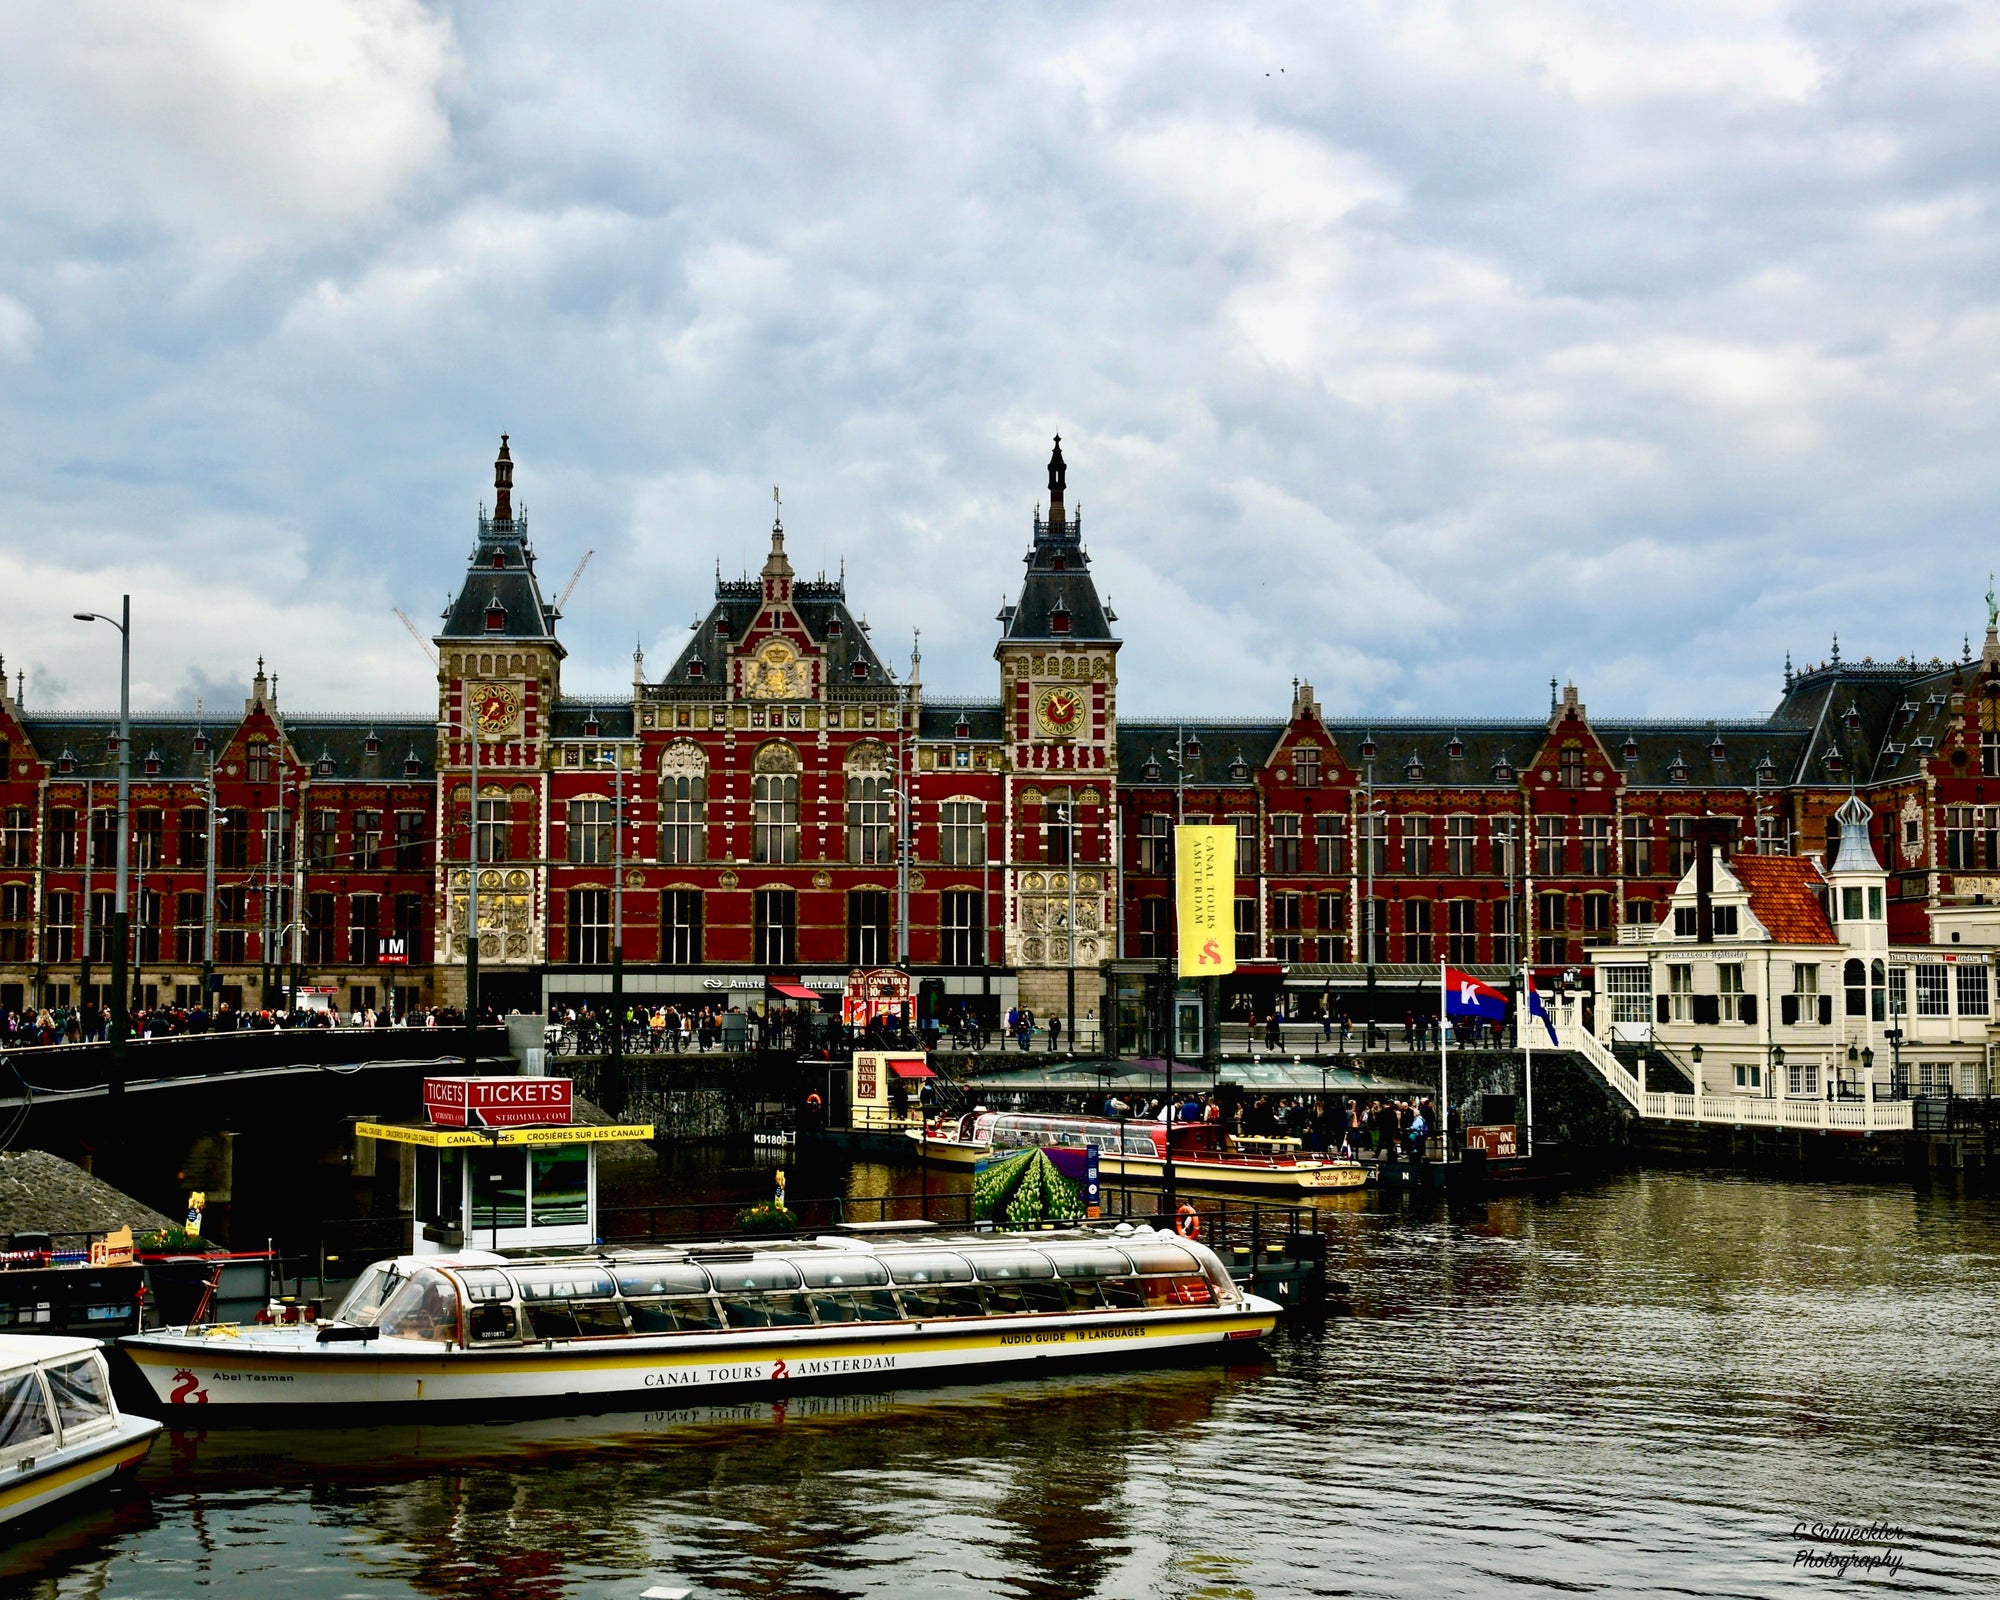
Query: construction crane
[
  {"x": 423, "y": 644},
  {"x": 562, "y": 604}
]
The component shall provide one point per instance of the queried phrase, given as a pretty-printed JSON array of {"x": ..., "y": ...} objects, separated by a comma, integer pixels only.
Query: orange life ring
[
  {"x": 812, "y": 1101},
  {"x": 1187, "y": 1222}
]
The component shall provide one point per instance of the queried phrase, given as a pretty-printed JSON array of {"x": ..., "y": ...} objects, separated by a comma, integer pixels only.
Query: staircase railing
[{"x": 1574, "y": 1037}]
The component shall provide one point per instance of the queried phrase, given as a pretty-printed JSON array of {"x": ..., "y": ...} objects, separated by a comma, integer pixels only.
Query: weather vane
[{"x": 1992, "y": 610}]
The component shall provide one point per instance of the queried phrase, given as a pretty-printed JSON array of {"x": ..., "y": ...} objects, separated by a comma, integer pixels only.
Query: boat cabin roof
[{"x": 31, "y": 1349}]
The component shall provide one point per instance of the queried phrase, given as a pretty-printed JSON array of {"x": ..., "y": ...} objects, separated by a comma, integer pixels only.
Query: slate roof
[
  {"x": 344, "y": 740},
  {"x": 939, "y": 719},
  {"x": 42, "y": 1193},
  {"x": 502, "y": 572},
  {"x": 821, "y": 605},
  {"x": 614, "y": 719},
  {"x": 1058, "y": 581},
  {"x": 1783, "y": 898}
]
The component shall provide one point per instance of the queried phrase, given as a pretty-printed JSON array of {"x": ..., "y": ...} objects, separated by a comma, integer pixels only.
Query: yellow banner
[
  {"x": 1205, "y": 886},
  {"x": 469, "y": 1138}
]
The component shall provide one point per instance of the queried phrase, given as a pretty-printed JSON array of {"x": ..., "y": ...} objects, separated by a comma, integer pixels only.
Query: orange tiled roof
[{"x": 1782, "y": 897}]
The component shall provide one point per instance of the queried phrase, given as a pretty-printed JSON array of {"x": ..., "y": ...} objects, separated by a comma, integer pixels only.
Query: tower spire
[
  {"x": 503, "y": 485},
  {"x": 1058, "y": 481}
]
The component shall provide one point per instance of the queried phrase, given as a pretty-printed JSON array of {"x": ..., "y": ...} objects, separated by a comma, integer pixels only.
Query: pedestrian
[{"x": 1055, "y": 1034}]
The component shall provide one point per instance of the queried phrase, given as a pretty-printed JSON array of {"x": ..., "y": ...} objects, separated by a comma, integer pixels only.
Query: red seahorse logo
[
  {"x": 1210, "y": 955},
  {"x": 187, "y": 1390},
  {"x": 778, "y": 1371}
]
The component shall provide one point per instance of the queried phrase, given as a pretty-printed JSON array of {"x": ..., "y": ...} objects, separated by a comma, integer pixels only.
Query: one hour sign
[{"x": 498, "y": 1102}]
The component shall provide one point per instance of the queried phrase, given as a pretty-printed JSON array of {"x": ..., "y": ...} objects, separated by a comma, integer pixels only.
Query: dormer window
[
  {"x": 111, "y": 744},
  {"x": 1833, "y": 763},
  {"x": 1631, "y": 748},
  {"x": 591, "y": 725},
  {"x": 1368, "y": 748},
  {"x": 1678, "y": 771},
  {"x": 859, "y": 670},
  {"x": 961, "y": 729},
  {"x": 200, "y": 743},
  {"x": 1455, "y": 749},
  {"x": 834, "y": 629},
  {"x": 1503, "y": 771},
  {"x": 372, "y": 745},
  {"x": 1151, "y": 770},
  {"x": 1716, "y": 750},
  {"x": 1767, "y": 770},
  {"x": 412, "y": 767},
  {"x": 1059, "y": 564},
  {"x": 152, "y": 763},
  {"x": 1413, "y": 770},
  {"x": 1239, "y": 769},
  {"x": 1059, "y": 620},
  {"x": 696, "y": 671},
  {"x": 65, "y": 763},
  {"x": 1192, "y": 749},
  {"x": 496, "y": 618},
  {"x": 722, "y": 627},
  {"x": 499, "y": 560},
  {"x": 324, "y": 766}
]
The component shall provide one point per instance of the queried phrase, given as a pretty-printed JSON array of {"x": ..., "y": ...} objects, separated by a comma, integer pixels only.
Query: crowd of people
[
  {"x": 1383, "y": 1129},
  {"x": 90, "y": 1023},
  {"x": 665, "y": 1028}
]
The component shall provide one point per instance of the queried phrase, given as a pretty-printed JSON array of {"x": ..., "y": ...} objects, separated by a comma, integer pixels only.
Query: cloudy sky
[{"x": 1423, "y": 350}]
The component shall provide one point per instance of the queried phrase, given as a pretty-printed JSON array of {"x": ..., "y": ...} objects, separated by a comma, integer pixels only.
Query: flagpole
[
  {"x": 1444, "y": 1078},
  {"x": 1524, "y": 1024}
]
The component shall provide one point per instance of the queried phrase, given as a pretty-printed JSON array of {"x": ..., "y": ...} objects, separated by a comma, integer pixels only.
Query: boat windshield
[
  {"x": 424, "y": 1306},
  {"x": 930, "y": 1269},
  {"x": 370, "y": 1293},
  {"x": 844, "y": 1271},
  {"x": 79, "y": 1392},
  {"x": 24, "y": 1414}
]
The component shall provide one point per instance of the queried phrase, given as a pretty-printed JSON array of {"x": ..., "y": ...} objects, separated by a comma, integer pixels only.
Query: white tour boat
[
  {"x": 478, "y": 1332},
  {"x": 61, "y": 1433},
  {"x": 1136, "y": 1150}
]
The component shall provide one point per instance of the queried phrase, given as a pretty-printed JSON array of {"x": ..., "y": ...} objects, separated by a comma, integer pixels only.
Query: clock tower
[
  {"x": 499, "y": 672},
  {"x": 1058, "y": 697}
]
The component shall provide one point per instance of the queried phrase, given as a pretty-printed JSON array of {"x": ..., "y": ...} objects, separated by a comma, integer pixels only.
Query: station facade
[{"x": 795, "y": 807}]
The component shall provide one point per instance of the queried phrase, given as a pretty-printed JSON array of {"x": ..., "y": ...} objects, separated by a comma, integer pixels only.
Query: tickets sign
[{"x": 498, "y": 1102}]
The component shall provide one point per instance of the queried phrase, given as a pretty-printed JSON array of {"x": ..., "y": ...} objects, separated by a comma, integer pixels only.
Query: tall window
[
  {"x": 1156, "y": 926},
  {"x": 410, "y": 926},
  {"x": 1552, "y": 930},
  {"x": 1549, "y": 841},
  {"x": 776, "y": 926},
  {"x": 1506, "y": 934},
  {"x": 590, "y": 927},
  {"x": 1330, "y": 917},
  {"x": 868, "y": 839},
  {"x": 868, "y": 928},
  {"x": 1505, "y": 832},
  {"x": 409, "y": 841},
  {"x": 1329, "y": 845},
  {"x": 962, "y": 834},
  {"x": 1959, "y": 838},
  {"x": 1246, "y": 845},
  {"x": 590, "y": 833},
  {"x": 322, "y": 837},
  {"x": 367, "y": 840},
  {"x": 1989, "y": 749},
  {"x": 1462, "y": 932},
  {"x": 1638, "y": 846},
  {"x": 1285, "y": 845},
  {"x": 1933, "y": 990},
  {"x": 1594, "y": 837},
  {"x": 494, "y": 829},
  {"x": 277, "y": 836},
  {"x": 1417, "y": 845},
  {"x": 774, "y": 805},
  {"x": 61, "y": 850},
  {"x": 1974, "y": 994},
  {"x": 1305, "y": 766},
  {"x": 320, "y": 930},
  {"x": 149, "y": 839},
  {"x": 103, "y": 837},
  {"x": 364, "y": 929},
  {"x": 232, "y": 912},
  {"x": 147, "y": 909},
  {"x": 59, "y": 926},
  {"x": 1286, "y": 918},
  {"x": 191, "y": 837},
  {"x": 1458, "y": 846},
  {"x": 1156, "y": 851},
  {"x": 257, "y": 762},
  {"x": 1680, "y": 992},
  {"x": 1417, "y": 931},
  {"x": 1597, "y": 918},
  {"x": 683, "y": 803},
  {"x": 1372, "y": 837},
  {"x": 1631, "y": 991},
  {"x": 680, "y": 927},
  {"x": 1058, "y": 829},
  {"x": 188, "y": 928},
  {"x": 1572, "y": 767},
  {"x": 1774, "y": 835},
  {"x": 1246, "y": 929},
  {"x": 1680, "y": 845},
  {"x": 99, "y": 942},
  {"x": 1729, "y": 992},
  {"x": 17, "y": 837},
  {"x": 961, "y": 927},
  {"x": 17, "y": 914},
  {"x": 1376, "y": 932}
]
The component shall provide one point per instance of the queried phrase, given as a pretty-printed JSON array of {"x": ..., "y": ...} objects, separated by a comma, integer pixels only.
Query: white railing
[
  {"x": 1572, "y": 1035},
  {"x": 1751, "y": 1111}
]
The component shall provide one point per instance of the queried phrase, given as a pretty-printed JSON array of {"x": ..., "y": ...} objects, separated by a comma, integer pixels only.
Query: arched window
[
  {"x": 774, "y": 807},
  {"x": 868, "y": 798},
  {"x": 1854, "y": 978},
  {"x": 1878, "y": 988},
  {"x": 683, "y": 802}
]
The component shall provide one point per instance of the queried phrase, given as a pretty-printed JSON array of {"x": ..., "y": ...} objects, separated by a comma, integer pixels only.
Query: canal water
[{"x": 1657, "y": 1385}]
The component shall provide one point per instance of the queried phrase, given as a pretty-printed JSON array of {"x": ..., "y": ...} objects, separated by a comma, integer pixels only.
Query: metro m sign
[
  {"x": 497, "y": 1102},
  {"x": 393, "y": 953}
]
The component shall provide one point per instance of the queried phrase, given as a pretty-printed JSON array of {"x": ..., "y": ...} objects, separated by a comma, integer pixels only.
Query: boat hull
[
  {"x": 215, "y": 1378},
  {"x": 75, "y": 1471},
  {"x": 1276, "y": 1178}
]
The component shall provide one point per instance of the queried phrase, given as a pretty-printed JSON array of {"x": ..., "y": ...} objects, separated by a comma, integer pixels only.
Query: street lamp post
[
  {"x": 614, "y": 1072},
  {"x": 121, "y": 916}
]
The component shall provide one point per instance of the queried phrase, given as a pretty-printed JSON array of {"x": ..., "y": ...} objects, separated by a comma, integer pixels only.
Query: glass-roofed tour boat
[
  {"x": 1205, "y": 1156},
  {"x": 481, "y": 1333}
]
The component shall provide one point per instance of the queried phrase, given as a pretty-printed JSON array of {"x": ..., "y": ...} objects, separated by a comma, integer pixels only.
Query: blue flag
[{"x": 1537, "y": 1009}]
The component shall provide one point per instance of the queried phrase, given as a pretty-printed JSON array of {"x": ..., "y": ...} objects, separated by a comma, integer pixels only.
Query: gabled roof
[
  {"x": 501, "y": 574},
  {"x": 1783, "y": 897}
]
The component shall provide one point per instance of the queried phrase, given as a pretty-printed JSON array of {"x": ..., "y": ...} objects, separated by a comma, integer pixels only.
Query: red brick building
[{"x": 769, "y": 775}]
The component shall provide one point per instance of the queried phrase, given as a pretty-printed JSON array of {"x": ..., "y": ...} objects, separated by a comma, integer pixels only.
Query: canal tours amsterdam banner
[{"x": 1205, "y": 887}]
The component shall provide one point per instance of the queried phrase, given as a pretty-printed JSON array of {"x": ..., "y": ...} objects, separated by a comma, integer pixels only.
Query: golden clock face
[
  {"x": 1061, "y": 712},
  {"x": 498, "y": 706}
]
